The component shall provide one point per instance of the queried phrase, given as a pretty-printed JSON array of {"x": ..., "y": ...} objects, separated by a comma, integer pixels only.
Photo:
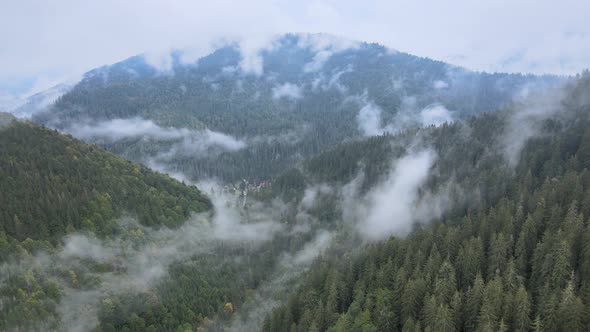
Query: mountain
[
  {"x": 247, "y": 111},
  {"x": 383, "y": 214},
  {"x": 40, "y": 101},
  {"x": 424, "y": 198}
]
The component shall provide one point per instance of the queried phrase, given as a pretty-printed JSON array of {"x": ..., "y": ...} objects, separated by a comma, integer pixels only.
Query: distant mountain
[
  {"x": 40, "y": 101},
  {"x": 251, "y": 112}
]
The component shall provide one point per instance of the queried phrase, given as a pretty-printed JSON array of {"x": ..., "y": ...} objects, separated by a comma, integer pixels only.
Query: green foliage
[
  {"x": 280, "y": 132},
  {"x": 53, "y": 184},
  {"x": 515, "y": 260}
]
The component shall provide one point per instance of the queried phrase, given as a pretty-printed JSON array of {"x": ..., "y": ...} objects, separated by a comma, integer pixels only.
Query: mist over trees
[
  {"x": 405, "y": 194},
  {"x": 514, "y": 260},
  {"x": 286, "y": 100}
]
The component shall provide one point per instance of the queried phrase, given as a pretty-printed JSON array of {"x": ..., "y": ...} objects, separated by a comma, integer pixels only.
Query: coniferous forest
[
  {"x": 517, "y": 262},
  {"x": 338, "y": 186}
]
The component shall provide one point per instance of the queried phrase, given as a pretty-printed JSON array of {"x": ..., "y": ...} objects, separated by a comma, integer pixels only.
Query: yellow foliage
[{"x": 228, "y": 308}]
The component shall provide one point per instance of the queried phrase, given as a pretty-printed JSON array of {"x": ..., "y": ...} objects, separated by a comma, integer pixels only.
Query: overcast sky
[{"x": 44, "y": 42}]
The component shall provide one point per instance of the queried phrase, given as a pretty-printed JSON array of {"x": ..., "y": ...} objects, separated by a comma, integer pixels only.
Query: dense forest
[
  {"x": 508, "y": 252},
  {"x": 516, "y": 260},
  {"x": 53, "y": 184},
  {"x": 289, "y": 113},
  {"x": 495, "y": 237},
  {"x": 83, "y": 231}
]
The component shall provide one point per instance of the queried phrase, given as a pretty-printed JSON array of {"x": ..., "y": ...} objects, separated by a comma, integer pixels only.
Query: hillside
[
  {"x": 54, "y": 184},
  {"x": 418, "y": 199},
  {"x": 268, "y": 107},
  {"x": 511, "y": 254}
]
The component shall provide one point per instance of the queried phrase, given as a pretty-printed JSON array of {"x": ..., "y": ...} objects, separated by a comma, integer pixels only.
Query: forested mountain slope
[
  {"x": 488, "y": 214},
  {"x": 284, "y": 100},
  {"x": 510, "y": 254},
  {"x": 90, "y": 241},
  {"x": 53, "y": 184}
]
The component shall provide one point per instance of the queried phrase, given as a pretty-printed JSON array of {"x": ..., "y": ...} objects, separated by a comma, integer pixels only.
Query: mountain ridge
[{"x": 285, "y": 101}]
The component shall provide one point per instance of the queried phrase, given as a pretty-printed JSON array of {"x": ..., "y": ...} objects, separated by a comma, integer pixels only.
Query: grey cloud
[
  {"x": 436, "y": 115},
  {"x": 369, "y": 120},
  {"x": 332, "y": 82},
  {"x": 287, "y": 90},
  {"x": 529, "y": 110},
  {"x": 291, "y": 267},
  {"x": 324, "y": 46},
  {"x": 250, "y": 49},
  {"x": 440, "y": 84},
  {"x": 487, "y": 35},
  {"x": 389, "y": 207},
  {"x": 190, "y": 141}
]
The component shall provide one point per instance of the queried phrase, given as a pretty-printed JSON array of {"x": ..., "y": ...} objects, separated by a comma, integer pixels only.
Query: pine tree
[
  {"x": 525, "y": 245},
  {"x": 571, "y": 310},
  {"x": 446, "y": 283},
  {"x": 490, "y": 313},
  {"x": 550, "y": 320},
  {"x": 538, "y": 324},
  {"x": 473, "y": 303},
  {"x": 522, "y": 310}
]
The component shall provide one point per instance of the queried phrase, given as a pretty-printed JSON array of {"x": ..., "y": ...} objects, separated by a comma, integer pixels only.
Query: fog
[
  {"x": 118, "y": 129},
  {"x": 389, "y": 206},
  {"x": 285, "y": 275},
  {"x": 436, "y": 115},
  {"x": 287, "y": 90},
  {"x": 527, "y": 114},
  {"x": 141, "y": 256},
  {"x": 370, "y": 120}
]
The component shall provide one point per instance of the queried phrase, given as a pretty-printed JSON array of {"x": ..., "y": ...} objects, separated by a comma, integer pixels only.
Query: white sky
[{"x": 44, "y": 42}]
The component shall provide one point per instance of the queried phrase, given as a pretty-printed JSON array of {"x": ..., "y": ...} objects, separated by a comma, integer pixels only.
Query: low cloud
[
  {"x": 189, "y": 140},
  {"x": 161, "y": 61},
  {"x": 313, "y": 249},
  {"x": 323, "y": 83},
  {"x": 118, "y": 129},
  {"x": 318, "y": 61},
  {"x": 311, "y": 194},
  {"x": 262, "y": 222},
  {"x": 252, "y": 61},
  {"x": 369, "y": 120},
  {"x": 324, "y": 46},
  {"x": 28, "y": 104},
  {"x": 288, "y": 91},
  {"x": 192, "y": 54},
  {"x": 268, "y": 295},
  {"x": 389, "y": 207},
  {"x": 526, "y": 118},
  {"x": 136, "y": 260},
  {"x": 392, "y": 206},
  {"x": 439, "y": 85},
  {"x": 435, "y": 115}
]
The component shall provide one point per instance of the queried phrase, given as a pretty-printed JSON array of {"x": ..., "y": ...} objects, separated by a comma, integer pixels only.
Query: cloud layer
[
  {"x": 527, "y": 35},
  {"x": 118, "y": 129}
]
